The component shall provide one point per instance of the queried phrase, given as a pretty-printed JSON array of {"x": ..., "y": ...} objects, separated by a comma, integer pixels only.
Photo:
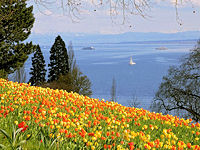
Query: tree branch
[{"x": 186, "y": 93}]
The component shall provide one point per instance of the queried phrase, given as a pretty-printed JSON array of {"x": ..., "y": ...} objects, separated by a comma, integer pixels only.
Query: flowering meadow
[{"x": 41, "y": 118}]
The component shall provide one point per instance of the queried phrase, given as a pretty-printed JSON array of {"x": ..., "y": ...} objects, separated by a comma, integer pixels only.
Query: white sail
[{"x": 131, "y": 61}]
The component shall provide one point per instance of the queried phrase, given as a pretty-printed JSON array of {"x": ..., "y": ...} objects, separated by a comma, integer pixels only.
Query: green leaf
[
  {"x": 19, "y": 147},
  {"x": 52, "y": 143},
  {"x": 15, "y": 135},
  {"x": 29, "y": 137},
  {"x": 22, "y": 142},
  {"x": 2, "y": 146},
  {"x": 18, "y": 131},
  {"x": 6, "y": 135}
]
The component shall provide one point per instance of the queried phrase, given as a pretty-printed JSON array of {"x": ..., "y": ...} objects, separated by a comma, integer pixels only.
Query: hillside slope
[{"x": 46, "y": 118}]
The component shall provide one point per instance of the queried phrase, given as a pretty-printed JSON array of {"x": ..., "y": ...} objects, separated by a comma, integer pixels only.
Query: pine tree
[
  {"x": 74, "y": 80},
  {"x": 59, "y": 64},
  {"x": 38, "y": 68},
  {"x": 16, "y": 21}
]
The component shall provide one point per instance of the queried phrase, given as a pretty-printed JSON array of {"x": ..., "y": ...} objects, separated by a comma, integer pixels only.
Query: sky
[{"x": 93, "y": 19}]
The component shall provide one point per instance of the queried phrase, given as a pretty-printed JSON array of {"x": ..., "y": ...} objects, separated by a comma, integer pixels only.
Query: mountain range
[{"x": 48, "y": 39}]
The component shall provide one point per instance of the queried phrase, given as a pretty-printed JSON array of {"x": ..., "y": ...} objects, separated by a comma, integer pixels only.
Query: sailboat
[{"x": 131, "y": 61}]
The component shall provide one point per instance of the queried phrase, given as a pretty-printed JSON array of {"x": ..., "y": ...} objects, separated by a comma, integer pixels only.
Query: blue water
[{"x": 111, "y": 60}]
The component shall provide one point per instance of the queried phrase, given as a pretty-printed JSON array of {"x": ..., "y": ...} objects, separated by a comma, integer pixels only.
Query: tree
[
  {"x": 19, "y": 75},
  {"x": 59, "y": 64},
  {"x": 113, "y": 90},
  {"x": 180, "y": 89},
  {"x": 72, "y": 60},
  {"x": 134, "y": 102},
  {"x": 74, "y": 80},
  {"x": 16, "y": 21},
  {"x": 38, "y": 72},
  {"x": 78, "y": 82}
]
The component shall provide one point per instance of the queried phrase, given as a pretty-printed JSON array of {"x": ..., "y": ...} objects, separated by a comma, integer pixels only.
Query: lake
[{"x": 111, "y": 60}]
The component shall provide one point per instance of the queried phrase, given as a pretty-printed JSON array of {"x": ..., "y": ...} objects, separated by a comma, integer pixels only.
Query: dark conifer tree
[
  {"x": 59, "y": 64},
  {"x": 74, "y": 80},
  {"x": 16, "y": 21},
  {"x": 38, "y": 72}
]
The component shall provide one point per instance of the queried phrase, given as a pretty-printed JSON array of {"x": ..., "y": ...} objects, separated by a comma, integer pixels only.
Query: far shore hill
[{"x": 48, "y": 39}]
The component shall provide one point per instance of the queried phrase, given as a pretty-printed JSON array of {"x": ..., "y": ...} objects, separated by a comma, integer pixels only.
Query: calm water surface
[{"x": 111, "y": 60}]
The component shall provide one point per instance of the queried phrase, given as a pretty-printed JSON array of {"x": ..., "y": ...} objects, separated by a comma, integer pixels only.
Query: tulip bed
[{"x": 41, "y": 118}]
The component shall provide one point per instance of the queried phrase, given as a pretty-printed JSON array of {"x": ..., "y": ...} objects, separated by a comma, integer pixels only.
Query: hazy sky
[{"x": 161, "y": 18}]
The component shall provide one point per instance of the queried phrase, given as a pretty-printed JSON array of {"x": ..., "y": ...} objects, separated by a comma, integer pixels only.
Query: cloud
[
  {"x": 99, "y": 21},
  {"x": 186, "y": 2},
  {"x": 196, "y": 2},
  {"x": 182, "y": 3},
  {"x": 84, "y": 12},
  {"x": 47, "y": 12}
]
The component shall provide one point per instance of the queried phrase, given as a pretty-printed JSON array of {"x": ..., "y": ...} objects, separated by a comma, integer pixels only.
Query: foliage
[
  {"x": 59, "y": 64},
  {"x": 46, "y": 142},
  {"x": 74, "y": 80},
  {"x": 15, "y": 140},
  {"x": 180, "y": 89},
  {"x": 16, "y": 21},
  {"x": 38, "y": 72},
  {"x": 60, "y": 120}
]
